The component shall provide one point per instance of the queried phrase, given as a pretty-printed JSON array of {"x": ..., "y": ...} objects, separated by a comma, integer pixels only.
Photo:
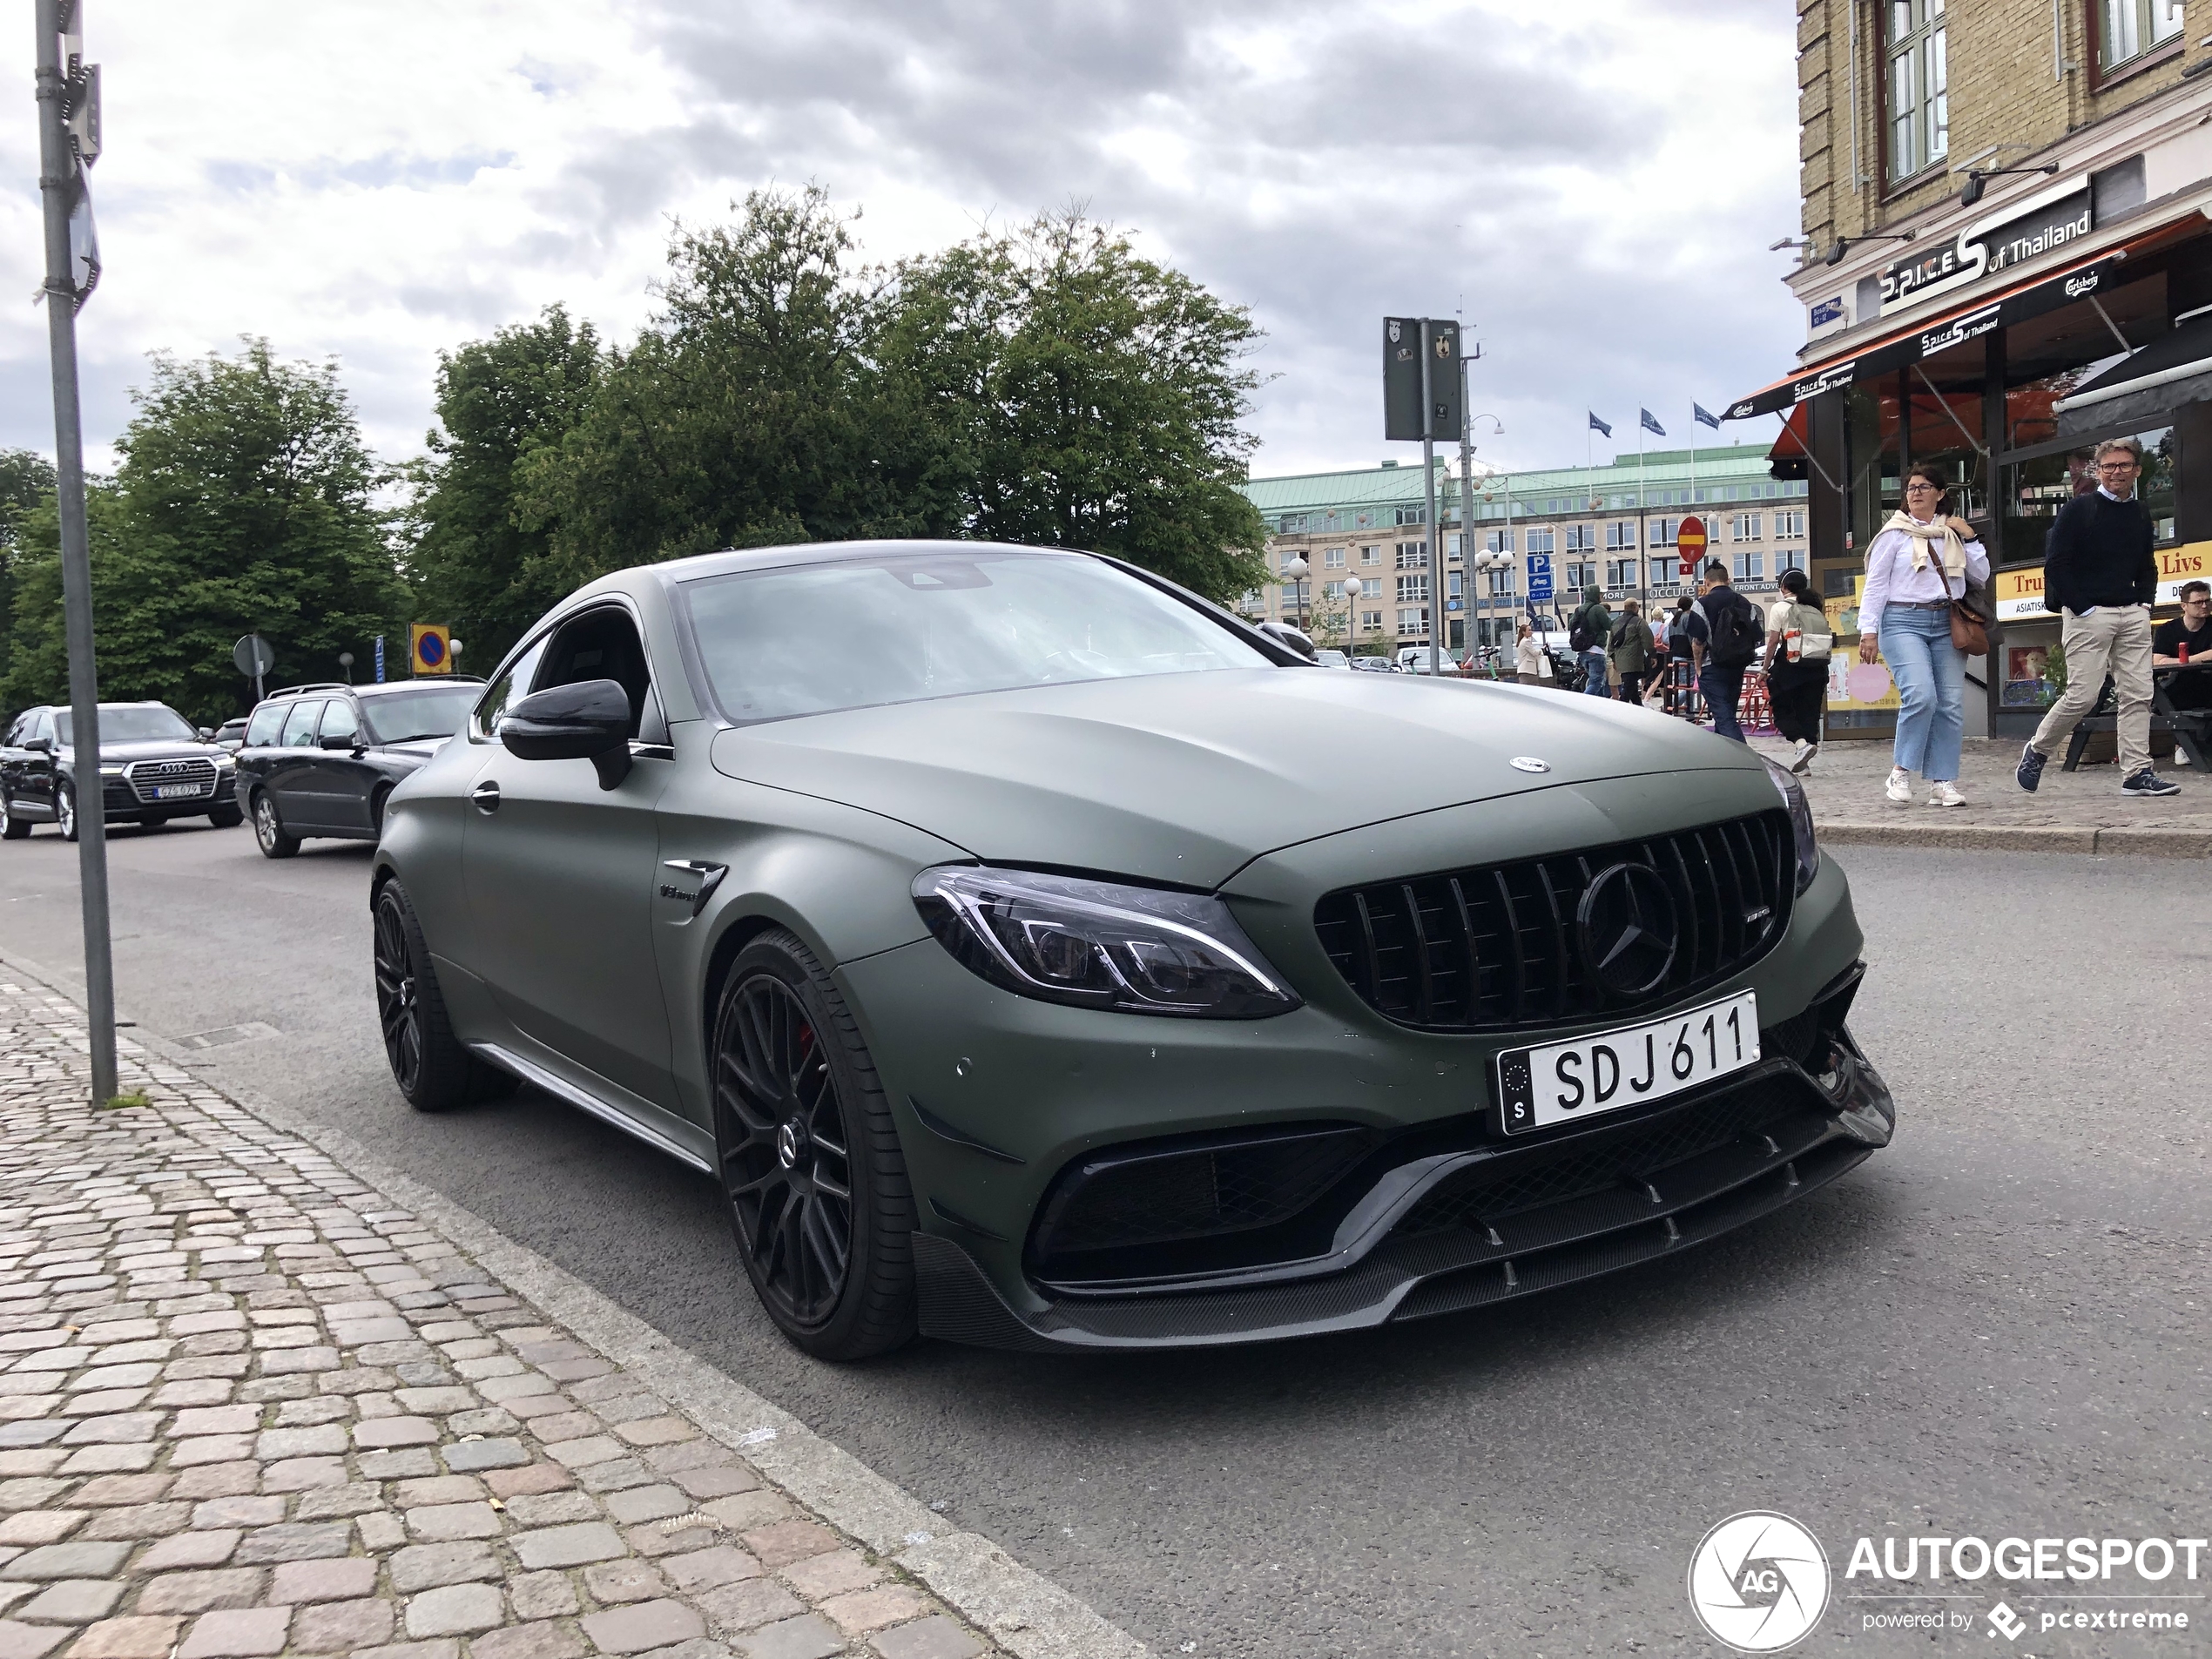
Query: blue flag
[
  {"x": 1597, "y": 425},
  {"x": 1651, "y": 422},
  {"x": 1712, "y": 421}
]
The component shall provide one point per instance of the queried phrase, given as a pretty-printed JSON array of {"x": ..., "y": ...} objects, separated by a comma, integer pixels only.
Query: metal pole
[
  {"x": 1467, "y": 478},
  {"x": 57, "y": 175},
  {"x": 1428, "y": 483}
]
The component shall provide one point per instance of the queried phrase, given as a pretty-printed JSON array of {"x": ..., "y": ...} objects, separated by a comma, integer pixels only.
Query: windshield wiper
[{"x": 414, "y": 737}]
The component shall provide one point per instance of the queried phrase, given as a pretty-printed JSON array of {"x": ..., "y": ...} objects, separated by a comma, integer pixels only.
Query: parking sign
[{"x": 1540, "y": 576}]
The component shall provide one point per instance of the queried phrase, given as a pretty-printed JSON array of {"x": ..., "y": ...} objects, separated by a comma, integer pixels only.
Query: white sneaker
[
  {"x": 1945, "y": 795},
  {"x": 1900, "y": 786},
  {"x": 1802, "y": 760}
]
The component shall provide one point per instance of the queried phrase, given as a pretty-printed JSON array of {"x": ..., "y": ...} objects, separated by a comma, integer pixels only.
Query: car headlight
[
  {"x": 111, "y": 771},
  {"x": 1793, "y": 797},
  {"x": 222, "y": 761},
  {"x": 1100, "y": 945}
]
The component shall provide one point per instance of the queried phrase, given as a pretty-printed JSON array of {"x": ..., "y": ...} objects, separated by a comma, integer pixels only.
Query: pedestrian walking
[
  {"x": 1724, "y": 634},
  {"x": 1799, "y": 647},
  {"x": 1682, "y": 677},
  {"x": 1631, "y": 647},
  {"x": 1531, "y": 665},
  {"x": 1586, "y": 635},
  {"x": 1919, "y": 562},
  {"x": 2100, "y": 575}
]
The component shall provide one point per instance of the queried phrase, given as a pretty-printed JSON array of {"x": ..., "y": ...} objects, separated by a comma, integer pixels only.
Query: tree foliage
[
  {"x": 243, "y": 504},
  {"x": 26, "y": 480}
]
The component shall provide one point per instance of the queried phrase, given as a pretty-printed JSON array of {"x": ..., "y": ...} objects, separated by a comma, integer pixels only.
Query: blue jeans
[
  {"x": 1593, "y": 682},
  {"x": 1931, "y": 675},
  {"x": 1722, "y": 687}
]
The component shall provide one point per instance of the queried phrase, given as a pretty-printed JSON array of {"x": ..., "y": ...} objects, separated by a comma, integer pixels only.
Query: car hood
[
  {"x": 1185, "y": 778},
  {"x": 157, "y": 749}
]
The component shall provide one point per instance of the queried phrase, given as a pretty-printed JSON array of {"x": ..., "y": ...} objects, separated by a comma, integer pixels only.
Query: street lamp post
[
  {"x": 346, "y": 662},
  {"x": 1296, "y": 569},
  {"x": 1352, "y": 588}
]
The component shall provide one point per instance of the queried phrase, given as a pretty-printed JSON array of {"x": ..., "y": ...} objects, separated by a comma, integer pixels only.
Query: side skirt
[{"x": 623, "y": 1118}]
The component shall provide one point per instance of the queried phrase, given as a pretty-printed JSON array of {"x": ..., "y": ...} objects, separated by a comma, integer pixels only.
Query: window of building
[
  {"x": 2127, "y": 29},
  {"x": 1790, "y": 522},
  {"x": 1451, "y": 547},
  {"x": 1540, "y": 541},
  {"x": 1580, "y": 538},
  {"x": 1413, "y": 621},
  {"x": 1581, "y": 576},
  {"x": 1291, "y": 523},
  {"x": 1744, "y": 527},
  {"x": 1285, "y": 558},
  {"x": 1919, "y": 86},
  {"x": 1502, "y": 582},
  {"x": 1451, "y": 589},
  {"x": 1747, "y": 567},
  {"x": 1621, "y": 573},
  {"x": 1372, "y": 621},
  {"x": 1413, "y": 515},
  {"x": 1332, "y": 589},
  {"x": 1618, "y": 536},
  {"x": 1411, "y": 588},
  {"x": 1663, "y": 530},
  {"x": 1413, "y": 556},
  {"x": 1497, "y": 542},
  {"x": 1332, "y": 558},
  {"x": 1371, "y": 555}
]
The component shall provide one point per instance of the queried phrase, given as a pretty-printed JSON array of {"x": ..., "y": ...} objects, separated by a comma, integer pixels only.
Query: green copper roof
[{"x": 1730, "y": 471}]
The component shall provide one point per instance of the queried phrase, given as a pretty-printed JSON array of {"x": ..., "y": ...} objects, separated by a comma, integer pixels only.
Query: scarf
[{"x": 1954, "y": 551}]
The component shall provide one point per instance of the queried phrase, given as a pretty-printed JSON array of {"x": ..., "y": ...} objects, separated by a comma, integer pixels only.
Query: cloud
[{"x": 1592, "y": 187}]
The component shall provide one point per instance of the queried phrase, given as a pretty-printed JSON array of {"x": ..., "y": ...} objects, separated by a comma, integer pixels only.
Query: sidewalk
[
  {"x": 2079, "y": 812},
  {"x": 250, "y": 1405}
]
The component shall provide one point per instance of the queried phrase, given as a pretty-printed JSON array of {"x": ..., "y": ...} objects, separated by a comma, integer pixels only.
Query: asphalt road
[{"x": 1997, "y": 1326}]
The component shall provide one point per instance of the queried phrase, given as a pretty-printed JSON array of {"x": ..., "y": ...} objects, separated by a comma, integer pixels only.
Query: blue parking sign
[{"x": 1540, "y": 576}]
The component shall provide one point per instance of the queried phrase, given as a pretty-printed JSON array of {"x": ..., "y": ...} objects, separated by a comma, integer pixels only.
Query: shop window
[
  {"x": 1918, "y": 87},
  {"x": 2038, "y": 485},
  {"x": 2128, "y": 29}
]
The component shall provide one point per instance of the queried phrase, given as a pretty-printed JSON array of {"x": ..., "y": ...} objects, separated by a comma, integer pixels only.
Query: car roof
[{"x": 374, "y": 688}]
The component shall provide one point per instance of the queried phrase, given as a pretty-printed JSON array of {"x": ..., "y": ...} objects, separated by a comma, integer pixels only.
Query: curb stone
[
  {"x": 1027, "y": 1614},
  {"x": 2021, "y": 838}
]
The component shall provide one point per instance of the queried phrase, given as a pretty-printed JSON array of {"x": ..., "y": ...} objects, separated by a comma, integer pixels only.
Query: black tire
[
  {"x": 226, "y": 817},
  {"x": 434, "y": 1070},
  {"x": 11, "y": 827},
  {"x": 268, "y": 829},
  {"x": 65, "y": 809},
  {"x": 808, "y": 1158}
]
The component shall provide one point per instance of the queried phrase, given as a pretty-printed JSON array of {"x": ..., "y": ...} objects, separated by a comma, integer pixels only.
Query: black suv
[
  {"x": 153, "y": 766},
  {"x": 321, "y": 760}
]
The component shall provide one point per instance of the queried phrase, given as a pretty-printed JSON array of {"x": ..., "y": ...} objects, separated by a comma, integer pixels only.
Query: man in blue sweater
[{"x": 2100, "y": 576}]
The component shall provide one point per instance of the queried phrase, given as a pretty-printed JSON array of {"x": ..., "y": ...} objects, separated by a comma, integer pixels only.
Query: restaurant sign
[
  {"x": 2019, "y": 594},
  {"x": 2018, "y": 231}
]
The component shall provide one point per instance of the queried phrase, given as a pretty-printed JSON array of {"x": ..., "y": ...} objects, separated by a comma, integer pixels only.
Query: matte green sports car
[{"x": 1039, "y": 955}]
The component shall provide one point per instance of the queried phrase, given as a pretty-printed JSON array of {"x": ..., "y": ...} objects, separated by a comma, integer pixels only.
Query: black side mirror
[
  {"x": 39, "y": 746},
  {"x": 1284, "y": 634},
  {"x": 588, "y": 720},
  {"x": 337, "y": 740}
]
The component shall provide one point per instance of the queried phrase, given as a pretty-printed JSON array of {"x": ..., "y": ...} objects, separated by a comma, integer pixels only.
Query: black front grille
[
  {"x": 1519, "y": 1180},
  {"x": 1498, "y": 947}
]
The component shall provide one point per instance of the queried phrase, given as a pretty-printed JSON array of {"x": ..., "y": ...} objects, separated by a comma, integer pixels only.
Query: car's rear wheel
[
  {"x": 268, "y": 828},
  {"x": 809, "y": 1158},
  {"x": 434, "y": 1070},
  {"x": 65, "y": 811}
]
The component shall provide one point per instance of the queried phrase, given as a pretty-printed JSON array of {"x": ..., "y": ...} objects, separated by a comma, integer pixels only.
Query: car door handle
[{"x": 485, "y": 797}]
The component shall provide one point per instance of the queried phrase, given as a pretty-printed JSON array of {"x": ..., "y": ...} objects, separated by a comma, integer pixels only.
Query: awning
[{"x": 2163, "y": 376}]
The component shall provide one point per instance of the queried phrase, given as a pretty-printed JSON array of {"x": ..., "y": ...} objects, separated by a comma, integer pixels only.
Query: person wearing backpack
[
  {"x": 1631, "y": 646},
  {"x": 1586, "y": 635},
  {"x": 1724, "y": 636},
  {"x": 1798, "y": 646}
]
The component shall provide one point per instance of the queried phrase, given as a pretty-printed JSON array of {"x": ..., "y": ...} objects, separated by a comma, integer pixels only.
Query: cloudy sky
[{"x": 1592, "y": 186}]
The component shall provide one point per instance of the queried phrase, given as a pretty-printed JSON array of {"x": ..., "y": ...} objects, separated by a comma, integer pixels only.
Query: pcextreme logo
[{"x": 1758, "y": 1581}]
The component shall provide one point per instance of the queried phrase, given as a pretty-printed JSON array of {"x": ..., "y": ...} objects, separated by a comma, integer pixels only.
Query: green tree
[
  {"x": 471, "y": 565},
  {"x": 26, "y": 479},
  {"x": 243, "y": 504}
]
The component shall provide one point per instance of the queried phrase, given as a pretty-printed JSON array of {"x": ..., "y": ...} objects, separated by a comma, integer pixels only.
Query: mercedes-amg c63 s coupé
[{"x": 1037, "y": 954}]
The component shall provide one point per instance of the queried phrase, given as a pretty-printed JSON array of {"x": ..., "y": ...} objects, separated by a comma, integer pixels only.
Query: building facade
[
  {"x": 2008, "y": 261},
  {"x": 1613, "y": 527}
]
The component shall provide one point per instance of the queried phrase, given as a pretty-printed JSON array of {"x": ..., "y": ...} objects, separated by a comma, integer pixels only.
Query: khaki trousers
[{"x": 2114, "y": 640}]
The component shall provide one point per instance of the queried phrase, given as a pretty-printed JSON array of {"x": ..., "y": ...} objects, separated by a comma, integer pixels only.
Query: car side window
[
  {"x": 45, "y": 728},
  {"x": 601, "y": 644},
  {"x": 266, "y": 722},
  {"x": 340, "y": 719},
  {"x": 509, "y": 689},
  {"x": 299, "y": 724}
]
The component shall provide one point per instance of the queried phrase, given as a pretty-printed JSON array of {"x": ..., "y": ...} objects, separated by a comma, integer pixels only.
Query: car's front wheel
[
  {"x": 65, "y": 811},
  {"x": 809, "y": 1158},
  {"x": 268, "y": 828},
  {"x": 433, "y": 1068}
]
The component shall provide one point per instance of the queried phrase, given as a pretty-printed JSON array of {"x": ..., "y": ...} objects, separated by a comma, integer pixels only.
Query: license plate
[
  {"x": 178, "y": 791},
  {"x": 1565, "y": 1082}
]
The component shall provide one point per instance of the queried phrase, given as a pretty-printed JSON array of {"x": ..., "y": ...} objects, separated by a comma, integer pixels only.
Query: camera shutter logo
[{"x": 1758, "y": 1581}]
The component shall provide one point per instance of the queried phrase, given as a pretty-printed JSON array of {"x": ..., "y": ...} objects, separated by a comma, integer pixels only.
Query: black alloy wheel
[
  {"x": 268, "y": 828},
  {"x": 433, "y": 1068},
  {"x": 809, "y": 1158}
]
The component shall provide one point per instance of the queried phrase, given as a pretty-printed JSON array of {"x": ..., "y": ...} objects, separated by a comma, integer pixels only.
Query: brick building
[{"x": 2009, "y": 260}]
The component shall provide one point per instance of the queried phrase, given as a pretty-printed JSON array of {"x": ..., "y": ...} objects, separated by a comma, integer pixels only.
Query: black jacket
[{"x": 2098, "y": 553}]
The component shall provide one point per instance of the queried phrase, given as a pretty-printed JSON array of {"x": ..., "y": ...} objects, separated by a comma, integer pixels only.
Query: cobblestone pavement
[{"x": 250, "y": 1407}]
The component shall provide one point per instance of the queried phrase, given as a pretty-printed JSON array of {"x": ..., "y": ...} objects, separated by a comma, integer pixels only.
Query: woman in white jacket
[{"x": 1919, "y": 563}]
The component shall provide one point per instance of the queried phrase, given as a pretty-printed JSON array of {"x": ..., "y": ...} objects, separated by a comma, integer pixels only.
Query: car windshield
[
  {"x": 132, "y": 726},
  {"x": 805, "y": 639},
  {"x": 432, "y": 713}
]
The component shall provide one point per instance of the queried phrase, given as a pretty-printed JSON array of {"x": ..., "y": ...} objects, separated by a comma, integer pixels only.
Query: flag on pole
[
  {"x": 1651, "y": 422},
  {"x": 1597, "y": 425},
  {"x": 1712, "y": 421}
]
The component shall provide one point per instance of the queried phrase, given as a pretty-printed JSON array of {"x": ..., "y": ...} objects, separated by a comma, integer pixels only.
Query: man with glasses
[
  {"x": 2100, "y": 575},
  {"x": 2188, "y": 638}
]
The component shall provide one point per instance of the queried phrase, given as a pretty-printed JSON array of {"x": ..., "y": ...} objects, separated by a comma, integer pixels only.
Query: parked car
[
  {"x": 980, "y": 919},
  {"x": 153, "y": 766},
  {"x": 230, "y": 737},
  {"x": 1376, "y": 665},
  {"x": 321, "y": 760},
  {"x": 1329, "y": 656}
]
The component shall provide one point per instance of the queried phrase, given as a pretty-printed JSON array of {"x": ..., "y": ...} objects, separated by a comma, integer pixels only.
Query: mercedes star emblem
[{"x": 1629, "y": 927}]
